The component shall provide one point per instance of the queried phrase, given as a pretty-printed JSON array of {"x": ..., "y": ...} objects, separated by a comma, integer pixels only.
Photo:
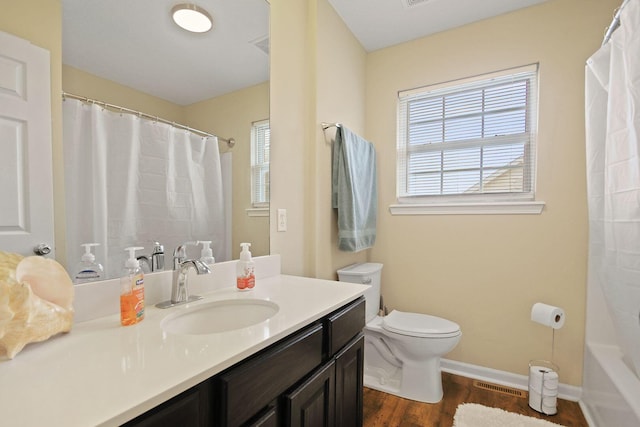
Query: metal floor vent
[{"x": 499, "y": 388}]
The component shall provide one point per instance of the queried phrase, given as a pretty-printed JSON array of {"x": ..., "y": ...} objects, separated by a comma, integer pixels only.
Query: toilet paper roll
[
  {"x": 545, "y": 404},
  {"x": 542, "y": 376},
  {"x": 547, "y": 315},
  {"x": 549, "y": 410},
  {"x": 535, "y": 400}
]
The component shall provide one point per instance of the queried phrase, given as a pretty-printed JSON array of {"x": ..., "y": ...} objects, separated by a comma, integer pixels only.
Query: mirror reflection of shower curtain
[
  {"x": 130, "y": 181},
  {"x": 613, "y": 177}
]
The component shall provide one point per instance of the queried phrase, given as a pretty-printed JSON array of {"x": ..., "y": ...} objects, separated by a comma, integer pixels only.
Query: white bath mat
[{"x": 475, "y": 415}]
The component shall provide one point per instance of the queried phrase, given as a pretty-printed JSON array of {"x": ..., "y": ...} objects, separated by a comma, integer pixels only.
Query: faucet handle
[
  {"x": 181, "y": 249},
  {"x": 180, "y": 254},
  {"x": 157, "y": 248},
  {"x": 157, "y": 257}
]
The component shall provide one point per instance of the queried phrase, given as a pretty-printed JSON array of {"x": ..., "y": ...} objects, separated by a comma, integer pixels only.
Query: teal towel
[{"x": 354, "y": 190}]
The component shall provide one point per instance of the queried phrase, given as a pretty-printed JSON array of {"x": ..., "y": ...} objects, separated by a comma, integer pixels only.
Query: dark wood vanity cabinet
[
  {"x": 190, "y": 408},
  {"x": 312, "y": 404},
  {"x": 332, "y": 396},
  {"x": 244, "y": 391},
  {"x": 349, "y": 376},
  {"x": 311, "y": 378}
]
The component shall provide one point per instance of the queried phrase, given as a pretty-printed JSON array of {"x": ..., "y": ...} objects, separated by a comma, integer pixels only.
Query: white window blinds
[
  {"x": 260, "y": 138},
  {"x": 469, "y": 140}
]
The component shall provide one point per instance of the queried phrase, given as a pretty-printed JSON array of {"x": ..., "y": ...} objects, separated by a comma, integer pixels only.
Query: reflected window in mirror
[{"x": 260, "y": 138}]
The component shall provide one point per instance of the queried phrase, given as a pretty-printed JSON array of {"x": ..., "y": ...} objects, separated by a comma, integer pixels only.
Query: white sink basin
[{"x": 219, "y": 316}]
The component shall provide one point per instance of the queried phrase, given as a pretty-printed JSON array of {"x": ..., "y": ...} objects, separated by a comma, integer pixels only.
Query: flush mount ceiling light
[{"x": 192, "y": 18}]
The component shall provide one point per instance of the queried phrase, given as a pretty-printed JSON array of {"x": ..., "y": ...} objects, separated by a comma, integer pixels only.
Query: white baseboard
[
  {"x": 521, "y": 382},
  {"x": 587, "y": 414}
]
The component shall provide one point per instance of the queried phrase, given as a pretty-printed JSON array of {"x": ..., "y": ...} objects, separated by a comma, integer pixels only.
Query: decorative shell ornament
[{"x": 36, "y": 301}]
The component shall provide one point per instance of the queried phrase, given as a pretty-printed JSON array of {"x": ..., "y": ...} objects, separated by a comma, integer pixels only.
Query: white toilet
[{"x": 402, "y": 350}]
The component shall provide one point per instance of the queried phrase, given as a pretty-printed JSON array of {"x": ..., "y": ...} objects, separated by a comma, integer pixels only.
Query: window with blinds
[
  {"x": 470, "y": 140},
  {"x": 260, "y": 136}
]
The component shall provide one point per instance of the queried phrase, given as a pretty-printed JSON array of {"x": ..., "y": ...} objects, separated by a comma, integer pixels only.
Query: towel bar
[{"x": 326, "y": 126}]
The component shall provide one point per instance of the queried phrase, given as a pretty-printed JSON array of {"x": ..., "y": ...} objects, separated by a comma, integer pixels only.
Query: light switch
[{"x": 282, "y": 220}]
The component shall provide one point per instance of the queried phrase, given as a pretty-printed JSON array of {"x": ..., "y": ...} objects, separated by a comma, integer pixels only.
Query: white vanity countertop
[{"x": 103, "y": 374}]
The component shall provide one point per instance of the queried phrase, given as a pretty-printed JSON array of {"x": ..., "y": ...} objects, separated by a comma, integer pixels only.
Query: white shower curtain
[
  {"x": 130, "y": 181},
  {"x": 613, "y": 177}
]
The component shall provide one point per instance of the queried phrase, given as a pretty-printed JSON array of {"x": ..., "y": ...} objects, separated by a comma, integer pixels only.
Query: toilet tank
[{"x": 365, "y": 274}]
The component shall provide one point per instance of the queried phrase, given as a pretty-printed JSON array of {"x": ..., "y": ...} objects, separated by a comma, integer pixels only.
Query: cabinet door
[
  {"x": 312, "y": 404},
  {"x": 249, "y": 387},
  {"x": 189, "y": 409},
  {"x": 268, "y": 419},
  {"x": 349, "y": 392}
]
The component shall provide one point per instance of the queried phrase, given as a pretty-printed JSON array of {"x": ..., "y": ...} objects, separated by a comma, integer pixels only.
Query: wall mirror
[{"x": 215, "y": 81}]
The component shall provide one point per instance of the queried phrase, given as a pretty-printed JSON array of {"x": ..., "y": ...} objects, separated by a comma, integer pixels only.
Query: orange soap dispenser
[{"x": 132, "y": 290}]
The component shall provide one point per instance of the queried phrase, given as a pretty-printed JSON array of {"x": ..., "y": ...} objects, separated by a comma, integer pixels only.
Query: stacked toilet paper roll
[{"x": 543, "y": 388}]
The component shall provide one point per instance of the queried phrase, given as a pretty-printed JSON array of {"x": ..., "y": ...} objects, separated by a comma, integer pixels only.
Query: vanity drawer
[
  {"x": 250, "y": 386},
  {"x": 343, "y": 325}
]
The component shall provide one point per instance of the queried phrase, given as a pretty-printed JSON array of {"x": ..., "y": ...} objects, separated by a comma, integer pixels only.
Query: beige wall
[
  {"x": 292, "y": 127},
  {"x": 340, "y": 97},
  {"x": 486, "y": 271},
  {"x": 88, "y": 85},
  {"x": 318, "y": 75},
  {"x": 40, "y": 21},
  {"x": 482, "y": 271},
  {"x": 229, "y": 116}
]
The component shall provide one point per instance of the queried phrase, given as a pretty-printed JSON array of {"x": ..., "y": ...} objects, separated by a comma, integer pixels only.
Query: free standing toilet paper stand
[{"x": 543, "y": 374}]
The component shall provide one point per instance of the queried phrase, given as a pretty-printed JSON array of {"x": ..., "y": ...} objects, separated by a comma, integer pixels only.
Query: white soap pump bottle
[
  {"x": 88, "y": 270},
  {"x": 206, "y": 255},
  {"x": 246, "y": 279}
]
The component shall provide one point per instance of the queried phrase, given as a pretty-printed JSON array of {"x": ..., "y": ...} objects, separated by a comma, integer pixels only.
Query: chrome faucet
[
  {"x": 180, "y": 254},
  {"x": 179, "y": 288},
  {"x": 155, "y": 261},
  {"x": 157, "y": 257},
  {"x": 145, "y": 259}
]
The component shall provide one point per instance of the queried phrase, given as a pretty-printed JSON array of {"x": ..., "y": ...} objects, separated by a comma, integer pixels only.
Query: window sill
[
  {"x": 495, "y": 208},
  {"x": 257, "y": 212}
]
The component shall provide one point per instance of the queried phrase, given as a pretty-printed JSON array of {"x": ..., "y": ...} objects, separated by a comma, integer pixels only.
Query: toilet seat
[{"x": 419, "y": 325}]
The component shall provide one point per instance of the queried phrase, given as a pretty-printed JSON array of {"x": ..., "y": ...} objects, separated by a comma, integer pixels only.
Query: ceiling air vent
[
  {"x": 262, "y": 43},
  {"x": 412, "y": 3}
]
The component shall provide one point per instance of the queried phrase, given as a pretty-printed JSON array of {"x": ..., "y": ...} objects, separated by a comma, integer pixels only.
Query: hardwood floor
[{"x": 382, "y": 409}]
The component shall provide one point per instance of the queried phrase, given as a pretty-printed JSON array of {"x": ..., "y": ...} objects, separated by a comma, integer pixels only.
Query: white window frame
[
  {"x": 483, "y": 203},
  {"x": 259, "y": 183}
]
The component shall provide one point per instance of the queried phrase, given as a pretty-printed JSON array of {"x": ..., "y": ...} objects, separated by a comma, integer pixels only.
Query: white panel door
[{"x": 26, "y": 187}]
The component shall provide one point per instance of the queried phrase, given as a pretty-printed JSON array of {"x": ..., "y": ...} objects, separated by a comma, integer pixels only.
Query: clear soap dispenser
[
  {"x": 206, "y": 255},
  {"x": 246, "y": 278},
  {"x": 132, "y": 290},
  {"x": 88, "y": 270}
]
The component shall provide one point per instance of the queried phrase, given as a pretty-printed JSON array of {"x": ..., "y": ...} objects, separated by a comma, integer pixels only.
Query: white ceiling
[
  {"x": 135, "y": 43},
  {"x": 381, "y": 23}
]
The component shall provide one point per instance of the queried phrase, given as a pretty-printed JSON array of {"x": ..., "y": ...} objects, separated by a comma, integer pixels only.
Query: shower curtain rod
[
  {"x": 230, "y": 141},
  {"x": 615, "y": 23}
]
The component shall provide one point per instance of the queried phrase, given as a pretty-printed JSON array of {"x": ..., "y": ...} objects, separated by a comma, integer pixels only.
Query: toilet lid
[{"x": 419, "y": 325}]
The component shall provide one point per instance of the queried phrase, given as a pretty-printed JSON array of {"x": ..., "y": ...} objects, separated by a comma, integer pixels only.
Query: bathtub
[{"x": 610, "y": 390}]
